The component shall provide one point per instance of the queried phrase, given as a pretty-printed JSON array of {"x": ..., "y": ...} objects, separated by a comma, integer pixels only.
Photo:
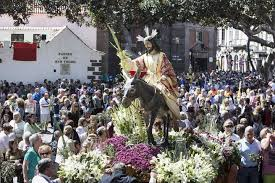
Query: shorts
[{"x": 45, "y": 118}]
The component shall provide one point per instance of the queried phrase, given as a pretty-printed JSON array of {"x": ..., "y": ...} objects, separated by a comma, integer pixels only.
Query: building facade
[
  {"x": 59, "y": 53},
  {"x": 232, "y": 51}
]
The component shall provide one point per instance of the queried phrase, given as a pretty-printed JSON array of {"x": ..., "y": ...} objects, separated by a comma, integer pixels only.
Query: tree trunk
[
  {"x": 268, "y": 68},
  {"x": 249, "y": 56}
]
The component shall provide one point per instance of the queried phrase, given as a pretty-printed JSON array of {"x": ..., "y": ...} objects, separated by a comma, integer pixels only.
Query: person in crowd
[
  {"x": 45, "y": 151},
  {"x": 118, "y": 175},
  {"x": 268, "y": 148},
  {"x": 6, "y": 111},
  {"x": 82, "y": 129},
  {"x": 228, "y": 136},
  {"x": 18, "y": 125},
  {"x": 98, "y": 103},
  {"x": 244, "y": 122},
  {"x": 74, "y": 114},
  {"x": 69, "y": 144},
  {"x": 65, "y": 105},
  {"x": 21, "y": 107},
  {"x": 37, "y": 96},
  {"x": 24, "y": 144},
  {"x": 14, "y": 153},
  {"x": 31, "y": 124},
  {"x": 257, "y": 124},
  {"x": 93, "y": 123},
  {"x": 106, "y": 98},
  {"x": 4, "y": 140},
  {"x": 54, "y": 142},
  {"x": 266, "y": 113},
  {"x": 240, "y": 128},
  {"x": 31, "y": 158},
  {"x": 30, "y": 105},
  {"x": 6, "y": 119},
  {"x": 75, "y": 136},
  {"x": 101, "y": 133},
  {"x": 45, "y": 116},
  {"x": 250, "y": 149},
  {"x": 46, "y": 172},
  {"x": 56, "y": 113}
]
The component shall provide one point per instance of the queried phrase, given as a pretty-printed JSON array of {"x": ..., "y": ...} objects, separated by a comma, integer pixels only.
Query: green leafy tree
[{"x": 250, "y": 16}]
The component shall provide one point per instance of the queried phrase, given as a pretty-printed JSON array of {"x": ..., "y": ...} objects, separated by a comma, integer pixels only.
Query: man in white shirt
[
  {"x": 4, "y": 139},
  {"x": 250, "y": 150},
  {"x": 45, "y": 116},
  {"x": 45, "y": 172}
]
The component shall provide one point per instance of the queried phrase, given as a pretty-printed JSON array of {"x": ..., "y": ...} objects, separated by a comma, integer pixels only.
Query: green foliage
[
  {"x": 7, "y": 170},
  {"x": 110, "y": 150},
  {"x": 130, "y": 123},
  {"x": 249, "y": 16}
]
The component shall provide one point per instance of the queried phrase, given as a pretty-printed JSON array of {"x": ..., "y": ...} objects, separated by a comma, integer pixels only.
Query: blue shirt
[
  {"x": 36, "y": 97},
  {"x": 247, "y": 150},
  {"x": 43, "y": 90}
]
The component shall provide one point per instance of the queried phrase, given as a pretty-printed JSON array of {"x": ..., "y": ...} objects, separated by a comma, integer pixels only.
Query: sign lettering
[{"x": 65, "y": 58}]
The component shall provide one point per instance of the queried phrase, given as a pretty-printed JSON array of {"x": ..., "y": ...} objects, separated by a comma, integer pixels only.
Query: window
[
  {"x": 231, "y": 35},
  {"x": 65, "y": 69},
  {"x": 36, "y": 38},
  {"x": 199, "y": 36},
  {"x": 237, "y": 34},
  {"x": 17, "y": 38},
  {"x": 223, "y": 35}
]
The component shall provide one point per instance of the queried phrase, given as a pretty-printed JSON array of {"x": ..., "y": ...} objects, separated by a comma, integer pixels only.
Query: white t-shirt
[
  {"x": 18, "y": 128},
  {"x": 81, "y": 133},
  {"x": 44, "y": 110},
  {"x": 4, "y": 142},
  {"x": 60, "y": 147},
  {"x": 41, "y": 178}
]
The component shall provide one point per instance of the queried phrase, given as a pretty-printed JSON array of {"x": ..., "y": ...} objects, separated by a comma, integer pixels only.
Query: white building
[
  {"x": 60, "y": 54},
  {"x": 232, "y": 52}
]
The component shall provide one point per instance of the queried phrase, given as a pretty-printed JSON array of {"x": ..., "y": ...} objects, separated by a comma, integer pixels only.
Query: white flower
[{"x": 83, "y": 167}]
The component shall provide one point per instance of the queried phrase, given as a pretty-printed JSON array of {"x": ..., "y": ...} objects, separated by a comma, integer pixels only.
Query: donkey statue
[{"x": 152, "y": 101}]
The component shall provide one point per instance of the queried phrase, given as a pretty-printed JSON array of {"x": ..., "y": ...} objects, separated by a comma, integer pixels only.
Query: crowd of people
[{"x": 240, "y": 105}]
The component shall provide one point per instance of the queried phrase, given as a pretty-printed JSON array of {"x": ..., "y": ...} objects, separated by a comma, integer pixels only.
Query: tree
[
  {"x": 249, "y": 16},
  {"x": 17, "y": 9}
]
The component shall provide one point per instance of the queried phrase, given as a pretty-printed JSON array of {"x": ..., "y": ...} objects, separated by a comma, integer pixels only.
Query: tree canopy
[{"x": 249, "y": 16}]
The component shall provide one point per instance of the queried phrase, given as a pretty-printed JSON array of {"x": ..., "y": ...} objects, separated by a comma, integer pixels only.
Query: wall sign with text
[{"x": 65, "y": 58}]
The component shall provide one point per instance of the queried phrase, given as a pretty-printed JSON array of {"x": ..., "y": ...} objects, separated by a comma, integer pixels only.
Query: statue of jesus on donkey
[{"x": 157, "y": 90}]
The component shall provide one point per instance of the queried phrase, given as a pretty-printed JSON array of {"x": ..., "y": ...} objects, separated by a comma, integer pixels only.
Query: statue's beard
[{"x": 150, "y": 50}]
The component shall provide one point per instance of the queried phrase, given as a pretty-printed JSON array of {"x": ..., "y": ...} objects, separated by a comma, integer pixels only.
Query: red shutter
[
  {"x": 206, "y": 38},
  {"x": 192, "y": 38},
  {"x": 24, "y": 51}
]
